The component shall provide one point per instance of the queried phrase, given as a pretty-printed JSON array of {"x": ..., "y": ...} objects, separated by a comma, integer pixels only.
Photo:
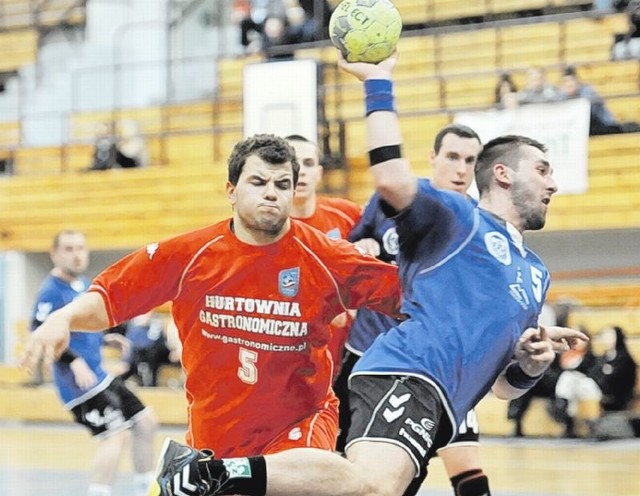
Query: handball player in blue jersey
[
  {"x": 472, "y": 293},
  {"x": 103, "y": 404},
  {"x": 455, "y": 151}
]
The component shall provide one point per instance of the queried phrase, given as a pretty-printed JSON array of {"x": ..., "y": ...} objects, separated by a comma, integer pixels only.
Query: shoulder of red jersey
[
  {"x": 316, "y": 239},
  {"x": 192, "y": 239},
  {"x": 342, "y": 203}
]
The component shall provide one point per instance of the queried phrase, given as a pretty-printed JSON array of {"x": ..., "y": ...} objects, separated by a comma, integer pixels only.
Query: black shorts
[
  {"x": 112, "y": 410},
  {"x": 404, "y": 411}
]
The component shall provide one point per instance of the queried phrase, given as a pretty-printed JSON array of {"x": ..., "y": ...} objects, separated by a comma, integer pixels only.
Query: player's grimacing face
[
  {"x": 72, "y": 255},
  {"x": 532, "y": 188},
  {"x": 262, "y": 198},
  {"x": 310, "y": 168},
  {"x": 453, "y": 165}
]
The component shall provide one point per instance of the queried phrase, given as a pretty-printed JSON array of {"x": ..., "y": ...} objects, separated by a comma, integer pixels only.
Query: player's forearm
[
  {"x": 513, "y": 382},
  {"x": 86, "y": 313},
  {"x": 392, "y": 173}
]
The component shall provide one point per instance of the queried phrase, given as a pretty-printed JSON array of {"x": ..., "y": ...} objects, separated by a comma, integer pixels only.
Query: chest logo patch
[
  {"x": 289, "y": 282},
  {"x": 390, "y": 241},
  {"x": 498, "y": 246},
  {"x": 334, "y": 233}
]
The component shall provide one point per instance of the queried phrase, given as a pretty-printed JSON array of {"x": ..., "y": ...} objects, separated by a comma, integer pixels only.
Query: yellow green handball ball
[{"x": 365, "y": 30}]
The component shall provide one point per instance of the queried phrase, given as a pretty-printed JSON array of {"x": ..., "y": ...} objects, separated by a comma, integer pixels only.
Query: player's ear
[
  {"x": 503, "y": 174},
  {"x": 231, "y": 193}
]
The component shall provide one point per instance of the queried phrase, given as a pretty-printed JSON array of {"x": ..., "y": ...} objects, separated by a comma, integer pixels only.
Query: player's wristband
[
  {"x": 519, "y": 379},
  {"x": 67, "y": 357},
  {"x": 384, "y": 153},
  {"x": 378, "y": 95}
]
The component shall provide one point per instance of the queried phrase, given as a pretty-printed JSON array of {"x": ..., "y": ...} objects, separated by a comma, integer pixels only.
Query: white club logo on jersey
[
  {"x": 295, "y": 434},
  {"x": 152, "y": 248},
  {"x": 390, "y": 241},
  {"x": 498, "y": 246}
]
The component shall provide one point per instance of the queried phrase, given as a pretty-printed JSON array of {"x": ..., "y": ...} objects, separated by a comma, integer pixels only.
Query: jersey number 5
[
  {"x": 248, "y": 372},
  {"x": 536, "y": 283}
]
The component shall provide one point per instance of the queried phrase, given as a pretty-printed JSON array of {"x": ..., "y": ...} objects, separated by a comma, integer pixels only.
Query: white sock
[
  {"x": 99, "y": 490},
  {"x": 142, "y": 483}
]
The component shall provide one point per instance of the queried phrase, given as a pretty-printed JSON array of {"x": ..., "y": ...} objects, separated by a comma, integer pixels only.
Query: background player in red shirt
[
  {"x": 335, "y": 217},
  {"x": 252, "y": 299}
]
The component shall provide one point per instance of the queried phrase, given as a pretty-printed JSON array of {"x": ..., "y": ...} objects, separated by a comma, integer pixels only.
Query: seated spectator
[
  {"x": 538, "y": 89},
  {"x": 277, "y": 38},
  {"x": 506, "y": 93},
  {"x": 615, "y": 370},
  {"x": 131, "y": 149},
  {"x": 150, "y": 348},
  {"x": 128, "y": 151},
  {"x": 602, "y": 120},
  {"x": 104, "y": 152},
  {"x": 575, "y": 384},
  {"x": 627, "y": 45},
  {"x": 251, "y": 16}
]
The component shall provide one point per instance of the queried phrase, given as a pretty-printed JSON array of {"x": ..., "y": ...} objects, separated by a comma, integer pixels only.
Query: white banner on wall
[
  {"x": 281, "y": 98},
  {"x": 562, "y": 126}
]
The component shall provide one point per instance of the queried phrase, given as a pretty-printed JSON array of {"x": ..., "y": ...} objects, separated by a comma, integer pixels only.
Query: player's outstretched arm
[
  {"x": 392, "y": 174},
  {"x": 534, "y": 352},
  {"x": 86, "y": 313}
]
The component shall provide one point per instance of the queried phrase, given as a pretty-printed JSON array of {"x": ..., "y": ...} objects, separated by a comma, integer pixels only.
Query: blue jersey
[
  {"x": 54, "y": 294},
  {"x": 376, "y": 225},
  {"x": 470, "y": 288}
]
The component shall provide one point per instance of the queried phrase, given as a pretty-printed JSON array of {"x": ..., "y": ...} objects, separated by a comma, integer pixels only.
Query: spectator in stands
[
  {"x": 575, "y": 384},
  {"x": 104, "y": 152},
  {"x": 251, "y": 16},
  {"x": 131, "y": 148},
  {"x": 506, "y": 92},
  {"x": 615, "y": 370},
  {"x": 149, "y": 350},
  {"x": 277, "y": 37},
  {"x": 128, "y": 151},
  {"x": 602, "y": 120},
  {"x": 627, "y": 45},
  {"x": 538, "y": 89}
]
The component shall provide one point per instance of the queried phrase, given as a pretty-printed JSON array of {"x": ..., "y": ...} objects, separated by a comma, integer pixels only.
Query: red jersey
[
  {"x": 336, "y": 217},
  {"x": 253, "y": 321}
]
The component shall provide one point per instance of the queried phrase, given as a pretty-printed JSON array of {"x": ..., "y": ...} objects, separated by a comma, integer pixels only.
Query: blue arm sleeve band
[
  {"x": 378, "y": 96},
  {"x": 517, "y": 377}
]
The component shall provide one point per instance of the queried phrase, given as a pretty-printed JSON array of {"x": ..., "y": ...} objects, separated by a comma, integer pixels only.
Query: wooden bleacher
[
  {"x": 118, "y": 209},
  {"x": 18, "y": 48},
  {"x": 16, "y": 14}
]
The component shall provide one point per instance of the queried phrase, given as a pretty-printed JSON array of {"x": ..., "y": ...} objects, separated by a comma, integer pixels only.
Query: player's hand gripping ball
[{"x": 365, "y": 30}]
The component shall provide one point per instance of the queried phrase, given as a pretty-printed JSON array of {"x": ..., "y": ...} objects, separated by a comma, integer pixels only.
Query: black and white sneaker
[{"x": 184, "y": 471}]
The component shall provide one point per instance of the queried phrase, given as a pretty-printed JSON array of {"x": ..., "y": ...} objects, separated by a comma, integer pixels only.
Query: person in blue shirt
[
  {"x": 455, "y": 150},
  {"x": 113, "y": 414}
]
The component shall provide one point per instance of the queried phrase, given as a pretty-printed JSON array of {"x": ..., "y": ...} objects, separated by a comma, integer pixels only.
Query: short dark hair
[
  {"x": 268, "y": 147},
  {"x": 570, "y": 70},
  {"x": 55, "y": 243},
  {"x": 298, "y": 137},
  {"x": 459, "y": 130},
  {"x": 501, "y": 150}
]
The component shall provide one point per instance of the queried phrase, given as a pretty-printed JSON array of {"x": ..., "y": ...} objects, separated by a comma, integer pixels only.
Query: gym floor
[{"x": 53, "y": 459}]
